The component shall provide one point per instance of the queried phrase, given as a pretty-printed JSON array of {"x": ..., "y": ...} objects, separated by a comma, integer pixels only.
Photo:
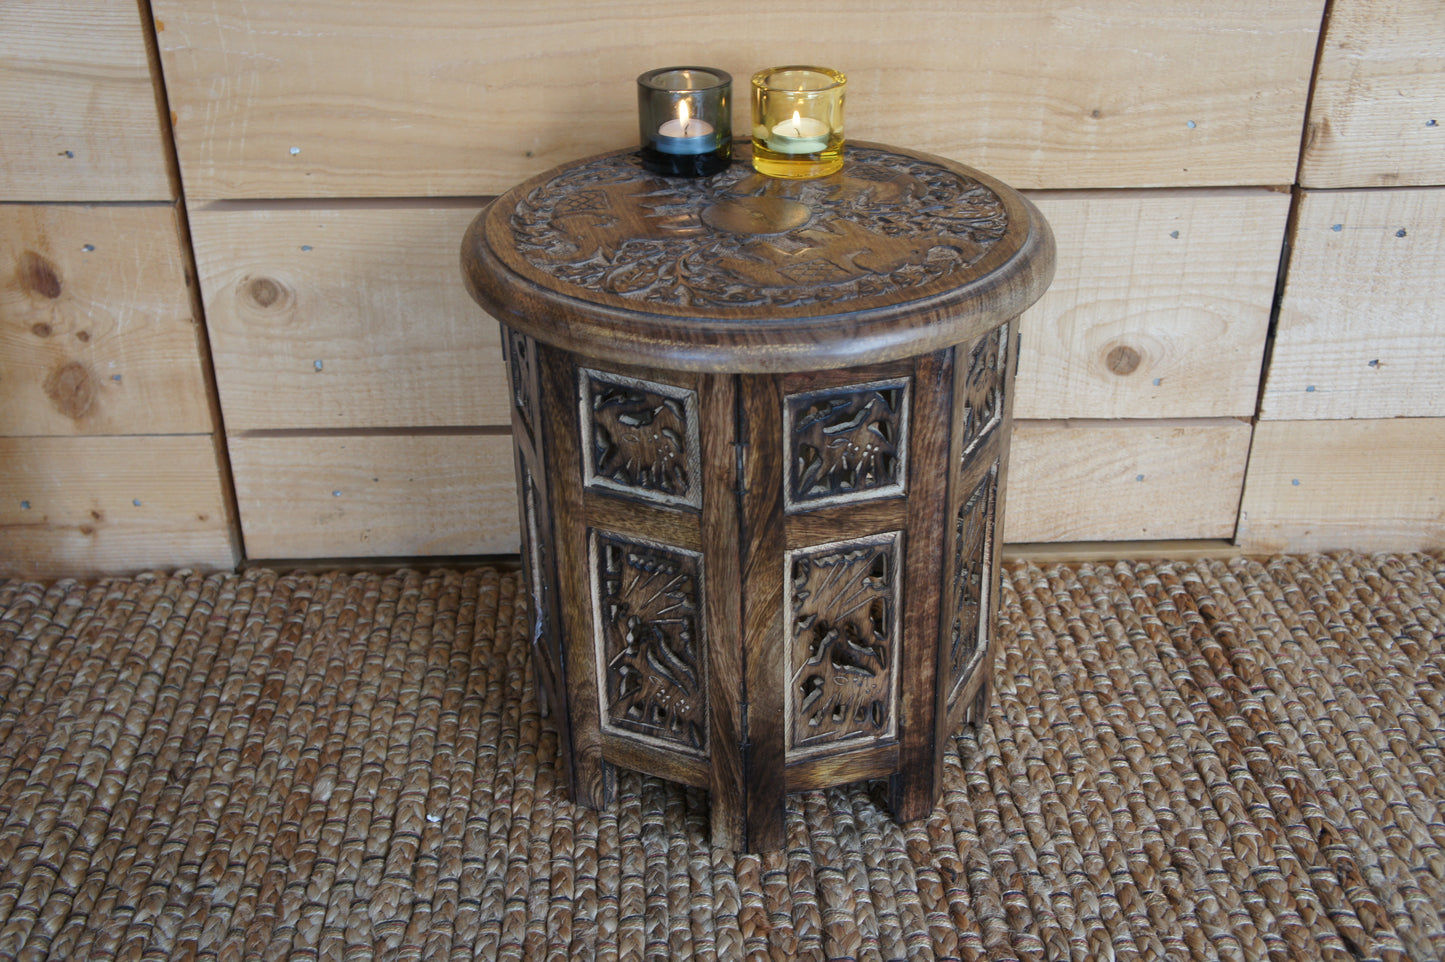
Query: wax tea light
[
  {"x": 684, "y": 135},
  {"x": 684, "y": 117},
  {"x": 798, "y": 121},
  {"x": 800, "y": 135}
]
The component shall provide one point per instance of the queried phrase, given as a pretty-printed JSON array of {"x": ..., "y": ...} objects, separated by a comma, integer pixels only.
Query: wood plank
[
  {"x": 1376, "y": 118},
  {"x": 83, "y": 507},
  {"x": 451, "y": 97},
  {"x": 345, "y": 317},
  {"x": 1360, "y": 332},
  {"x": 308, "y": 496},
  {"x": 1368, "y": 485},
  {"x": 1125, "y": 481},
  {"x": 97, "y": 330},
  {"x": 1076, "y": 552},
  {"x": 77, "y": 104},
  {"x": 1159, "y": 307}
]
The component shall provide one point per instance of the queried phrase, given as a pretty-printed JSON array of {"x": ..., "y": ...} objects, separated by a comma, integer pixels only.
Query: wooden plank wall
[
  {"x": 110, "y": 460},
  {"x": 331, "y": 153},
  {"x": 78, "y": 104},
  {"x": 334, "y": 98},
  {"x": 1154, "y": 134},
  {"x": 1348, "y": 449}
]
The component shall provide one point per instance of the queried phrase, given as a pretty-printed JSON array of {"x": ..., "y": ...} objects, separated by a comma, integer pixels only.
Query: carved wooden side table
[{"x": 761, "y": 433}]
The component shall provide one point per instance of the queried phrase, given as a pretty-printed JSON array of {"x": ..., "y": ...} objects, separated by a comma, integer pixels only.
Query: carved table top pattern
[
  {"x": 888, "y": 223},
  {"x": 601, "y": 254}
]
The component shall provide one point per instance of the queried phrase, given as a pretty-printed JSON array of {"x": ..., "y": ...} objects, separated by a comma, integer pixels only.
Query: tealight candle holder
[
  {"x": 798, "y": 121},
  {"x": 684, "y": 115}
]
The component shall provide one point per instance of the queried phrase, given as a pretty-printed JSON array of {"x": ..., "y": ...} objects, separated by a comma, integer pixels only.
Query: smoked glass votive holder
[
  {"x": 685, "y": 118},
  {"x": 798, "y": 121}
]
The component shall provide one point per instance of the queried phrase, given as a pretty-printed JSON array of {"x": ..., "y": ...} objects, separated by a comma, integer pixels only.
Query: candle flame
[
  {"x": 683, "y": 116},
  {"x": 797, "y": 124}
]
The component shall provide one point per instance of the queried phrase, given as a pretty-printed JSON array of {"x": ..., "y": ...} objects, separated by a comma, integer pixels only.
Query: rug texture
[{"x": 1182, "y": 761}]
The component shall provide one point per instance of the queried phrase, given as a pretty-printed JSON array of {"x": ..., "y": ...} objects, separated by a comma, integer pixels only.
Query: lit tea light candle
[
  {"x": 800, "y": 135},
  {"x": 798, "y": 121},
  {"x": 684, "y": 121},
  {"x": 685, "y": 135}
]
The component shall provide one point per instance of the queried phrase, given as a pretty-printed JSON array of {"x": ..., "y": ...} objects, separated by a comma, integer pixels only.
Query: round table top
[{"x": 898, "y": 254}]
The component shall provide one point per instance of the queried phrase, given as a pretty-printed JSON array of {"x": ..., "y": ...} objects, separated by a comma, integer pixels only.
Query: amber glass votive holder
[
  {"x": 798, "y": 121},
  {"x": 685, "y": 118}
]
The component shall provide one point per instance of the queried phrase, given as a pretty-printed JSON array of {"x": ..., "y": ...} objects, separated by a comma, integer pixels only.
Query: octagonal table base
[{"x": 761, "y": 583}]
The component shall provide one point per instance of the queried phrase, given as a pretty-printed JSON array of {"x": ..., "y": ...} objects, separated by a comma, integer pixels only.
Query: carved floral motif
[
  {"x": 888, "y": 223},
  {"x": 842, "y": 635},
  {"x": 846, "y": 444},
  {"x": 650, "y": 641},
  {"x": 640, "y": 437},
  {"x": 972, "y": 563},
  {"x": 983, "y": 387}
]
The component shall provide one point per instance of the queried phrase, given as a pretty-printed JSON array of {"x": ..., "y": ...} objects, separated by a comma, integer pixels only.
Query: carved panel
[
  {"x": 846, "y": 444},
  {"x": 984, "y": 380},
  {"x": 843, "y": 638},
  {"x": 641, "y": 438},
  {"x": 608, "y": 231},
  {"x": 546, "y": 652},
  {"x": 521, "y": 357},
  {"x": 651, "y": 651},
  {"x": 972, "y": 578}
]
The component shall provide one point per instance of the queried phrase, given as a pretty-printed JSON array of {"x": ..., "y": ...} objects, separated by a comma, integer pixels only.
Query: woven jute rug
[{"x": 1182, "y": 761}]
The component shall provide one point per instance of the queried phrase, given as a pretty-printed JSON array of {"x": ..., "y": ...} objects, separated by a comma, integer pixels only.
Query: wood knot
[
  {"x": 42, "y": 329},
  {"x": 71, "y": 388},
  {"x": 37, "y": 275},
  {"x": 265, "y": 293},
  {"x": 1122, "y": 360}
]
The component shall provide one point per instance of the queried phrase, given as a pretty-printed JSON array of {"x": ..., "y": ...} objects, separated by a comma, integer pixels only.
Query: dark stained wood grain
[
  {"x": 979, "y": 696},
  {"x": 592, "y": 778},
  {"x": 843, "y": 521},
  {"x": 538, "y": 546},
  {"x": 801, "y": 382},
  {"x": 613, "y": 513},
  {"x": 624, "y": 752},
  {"x": 721, "y": 467},
  {"x": 760, "y": 545},
  {"x": 825, "y": 771},
  {"x": 538, "y": 541},
  {"x": 914, "y": 786}
]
